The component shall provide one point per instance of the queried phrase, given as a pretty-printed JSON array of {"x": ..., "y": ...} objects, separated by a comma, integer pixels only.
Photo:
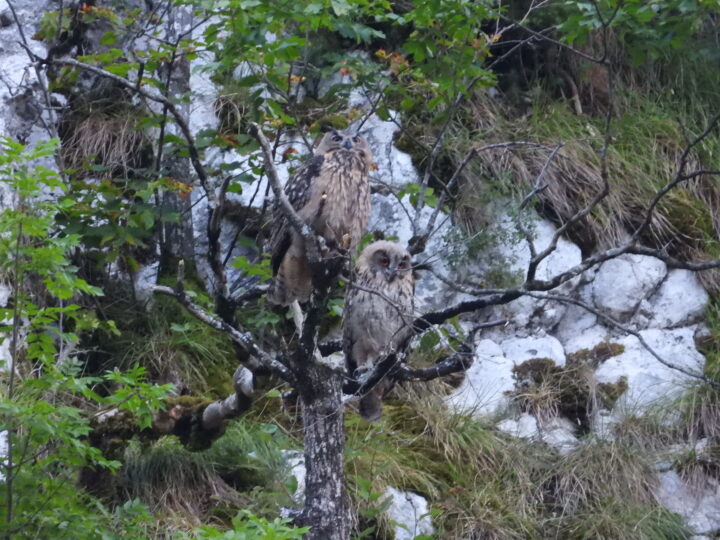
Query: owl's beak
[
  {"x": 347, "y": 144},
  {"x": 390, "y": 274}
]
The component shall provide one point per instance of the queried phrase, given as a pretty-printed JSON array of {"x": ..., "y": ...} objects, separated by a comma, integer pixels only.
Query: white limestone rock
[
  {"x": 650, "y": 382},
  {"x": 698, "y": 506},
  {"x": 556, "y": 432},
  {"x": 559, "y": 433},
  {"x": 515, "y": 254},
  {"x": 622, "y": 283},
  {"x": 519, "y": 350},
  {"x": 524, "y": 426},
  {"x": 482, "y": 391},
  {"x": 565, "y": 256},
  {"x": 579, "y": 328},
  {"x": 395, "y": 167},
  {"x": 295, "y": 462},
  {"x": 681, "y": 300},
  {"x": 408, "y": 514}
]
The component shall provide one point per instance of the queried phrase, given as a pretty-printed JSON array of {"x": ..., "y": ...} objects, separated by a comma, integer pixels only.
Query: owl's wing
[{"x": 298, "y": 190}]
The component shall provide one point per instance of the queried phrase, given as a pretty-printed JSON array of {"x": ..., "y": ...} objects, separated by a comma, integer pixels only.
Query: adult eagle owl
[
  {"x": 378, "y": 314},
  {"x": 330, "y": 192}
]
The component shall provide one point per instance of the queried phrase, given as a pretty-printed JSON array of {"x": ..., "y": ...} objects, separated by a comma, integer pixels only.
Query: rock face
[
  {"x": 699, "y": 506},
  {"x": 21, "y": 108},
  {"x": 622, "y": 283},
  {"x": 408, "y": 514},
  {"x": 520, "y": 350},
  {"x": 680, "y": 301},
  {"x": 656, "y": 368},
  {"x": 482, "y": 391},
  {"x": 650, "y": 382}
]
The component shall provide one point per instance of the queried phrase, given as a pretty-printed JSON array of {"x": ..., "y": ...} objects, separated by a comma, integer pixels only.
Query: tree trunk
[{"x": 326, "y": 507}]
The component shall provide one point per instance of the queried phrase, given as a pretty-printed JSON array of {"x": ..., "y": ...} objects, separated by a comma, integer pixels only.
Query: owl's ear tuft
[
  {"x": 327, "y": 128},
  {"x": 378, "y": 235}
]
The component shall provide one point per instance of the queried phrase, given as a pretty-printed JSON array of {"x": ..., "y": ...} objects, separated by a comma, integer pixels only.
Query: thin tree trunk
[{"x": 326, "y": 507}]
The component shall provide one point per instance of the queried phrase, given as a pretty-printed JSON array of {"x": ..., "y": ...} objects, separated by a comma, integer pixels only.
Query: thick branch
[
  {"x": 438, "y": 317},
  {"x": 447, "y": 366},
  {"x": 232, "y": 406},
  {"x": 258, "y": 357}
]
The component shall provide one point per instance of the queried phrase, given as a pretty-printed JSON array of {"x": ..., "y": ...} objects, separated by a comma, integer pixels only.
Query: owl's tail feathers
[
  {"x": 278, "y": 293},
  {"x": 292, "y": 282},
  {"x": 371, "y": 405}
]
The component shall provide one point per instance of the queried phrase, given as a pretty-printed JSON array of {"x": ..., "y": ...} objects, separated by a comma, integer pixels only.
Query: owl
[
  {"x": 378, "y": 314},
  {"x": 330, "y": 192}
]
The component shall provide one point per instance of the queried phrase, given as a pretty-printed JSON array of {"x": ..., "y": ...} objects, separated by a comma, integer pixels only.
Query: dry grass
[
  {"x": 173, "y": 481},
  {"x": 485, "y": 485},
  {"x": 643, "y": 157},
  {"x": 106, "y": 134}
]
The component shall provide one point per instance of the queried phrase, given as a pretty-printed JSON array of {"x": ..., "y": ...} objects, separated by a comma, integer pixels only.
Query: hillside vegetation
[{"x": 110, "y": 193}]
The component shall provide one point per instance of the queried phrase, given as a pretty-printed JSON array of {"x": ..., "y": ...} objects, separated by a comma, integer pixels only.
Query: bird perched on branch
[
  {"x": 329, "y": 192},
  {"x": 378, "y": 315}
]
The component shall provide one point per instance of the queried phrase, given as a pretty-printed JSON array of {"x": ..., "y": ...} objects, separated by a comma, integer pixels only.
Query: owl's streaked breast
[{"x": 344, "y": 192}]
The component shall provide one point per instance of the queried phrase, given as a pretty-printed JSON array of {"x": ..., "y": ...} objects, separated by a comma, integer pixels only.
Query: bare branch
[
  {"x": 672, "y": 262},
  {"x": 438, "y": 317},
  {"x": 679, "y": 177},
  {"x": 447, "y": 366},
  {"x": 538, "y": 187},
  {"x": 417, "y": 243}
]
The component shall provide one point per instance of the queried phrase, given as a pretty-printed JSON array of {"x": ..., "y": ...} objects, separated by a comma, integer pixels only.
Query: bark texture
[{"x": 326, "y": 506}]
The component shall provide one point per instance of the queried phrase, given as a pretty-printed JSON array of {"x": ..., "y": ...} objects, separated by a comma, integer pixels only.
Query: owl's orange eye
[
  {"x": 337, "y": 138},
  {"x": 384, "y": 261},
  {"x": 356, "y": 138},
  {"x": 403, "y": 265}
]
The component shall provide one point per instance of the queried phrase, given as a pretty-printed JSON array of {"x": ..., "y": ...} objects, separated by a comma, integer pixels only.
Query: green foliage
[
  {"x": 649, "y": 29},
  {"x": 166, "y": 339},
  {"x": 47, "y": 432},
  {"x": 246, "y": 526}
]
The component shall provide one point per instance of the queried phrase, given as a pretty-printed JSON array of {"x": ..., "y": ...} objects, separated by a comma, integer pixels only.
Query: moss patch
[{"x": 546, "y": 390}]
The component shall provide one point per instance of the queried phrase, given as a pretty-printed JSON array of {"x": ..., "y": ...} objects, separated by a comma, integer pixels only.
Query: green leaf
[{"x": 108, "y": 38}]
